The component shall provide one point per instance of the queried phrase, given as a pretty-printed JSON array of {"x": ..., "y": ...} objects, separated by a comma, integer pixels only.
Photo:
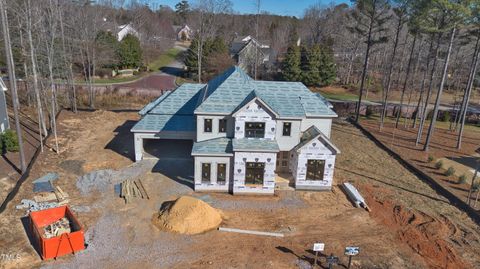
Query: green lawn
[{"x": 164, "y": 59}]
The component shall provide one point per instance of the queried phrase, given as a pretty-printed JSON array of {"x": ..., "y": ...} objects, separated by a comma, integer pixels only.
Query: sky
[{"x": 279, "y": 7}]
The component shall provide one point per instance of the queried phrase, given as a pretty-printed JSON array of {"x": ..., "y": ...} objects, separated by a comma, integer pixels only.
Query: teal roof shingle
[
  {"x": 226, "y": 94},
  {"x": 169, "y": 123},
  {"x": 173, "y": 111},
  {"x": 288, "y": 99},
  {"x": 255, "y": 144},
  {"x": 216, "y": 146},
  {"x": 313, "y": 133}
]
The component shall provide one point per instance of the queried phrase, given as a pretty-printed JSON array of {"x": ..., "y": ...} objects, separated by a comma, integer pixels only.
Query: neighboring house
[
  {"x": 244, "y": 50},
  {"x": 246, "y": 133},
  {"x": 184, "y": 33},
  {"x": 124, "y": 30},
  {"x": 4, "y": 124}
]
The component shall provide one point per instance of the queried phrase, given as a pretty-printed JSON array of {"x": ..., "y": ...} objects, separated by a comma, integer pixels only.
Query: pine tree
[
  {"x": 452, "y": 15},
  {"x": 130, "y": 52},
  {"x": 182, "y": 9},
  {"x": 191, "y": 59},
  {"x": 291, "y": 65},
  {"x": 311, "y": 60},
  {"x": 327, "y": 68},
  {"x": 371, "y": 16}
]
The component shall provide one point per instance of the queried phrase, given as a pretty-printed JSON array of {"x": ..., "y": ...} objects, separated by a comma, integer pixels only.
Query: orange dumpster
[{"x": 55, "y": 246}]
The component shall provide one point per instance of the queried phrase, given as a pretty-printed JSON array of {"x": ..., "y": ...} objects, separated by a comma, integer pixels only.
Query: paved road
[{"x": 161, "y": 80}]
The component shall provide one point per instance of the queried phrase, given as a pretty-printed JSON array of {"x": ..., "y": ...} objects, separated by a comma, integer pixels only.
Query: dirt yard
[
  {"x": 410, "y": 225},
  {"x": 443, "y": 148}
]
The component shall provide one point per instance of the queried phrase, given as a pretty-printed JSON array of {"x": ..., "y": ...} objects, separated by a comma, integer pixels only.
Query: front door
[{"x": 254, "y": 173}]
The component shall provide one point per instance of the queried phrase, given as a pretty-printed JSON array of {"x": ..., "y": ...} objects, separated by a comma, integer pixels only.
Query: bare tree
[
  {"x": 13, "y": 82},
  {"x": 207, "y": 12}
]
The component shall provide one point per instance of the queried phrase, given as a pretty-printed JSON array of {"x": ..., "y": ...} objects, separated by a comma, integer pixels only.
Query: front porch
[{"x": 284, "y": 181}]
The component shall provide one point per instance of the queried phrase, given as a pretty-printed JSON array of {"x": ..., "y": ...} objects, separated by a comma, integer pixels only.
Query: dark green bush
[
  {"x": 450, "y": 171},
  {"x": 439, "y": 164},
  {"x": 9, "y": 141},
  {"x": 430, "y": 158}
]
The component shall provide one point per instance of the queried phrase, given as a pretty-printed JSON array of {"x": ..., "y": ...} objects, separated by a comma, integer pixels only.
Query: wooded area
[{"x": 418, "y": 48}]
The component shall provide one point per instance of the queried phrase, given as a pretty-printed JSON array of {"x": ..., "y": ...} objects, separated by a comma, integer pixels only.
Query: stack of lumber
[{"x": 132, "y": 189}]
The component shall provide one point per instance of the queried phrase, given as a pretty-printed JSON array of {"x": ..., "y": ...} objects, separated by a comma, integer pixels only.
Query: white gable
[{"x": 316, "y": 146}]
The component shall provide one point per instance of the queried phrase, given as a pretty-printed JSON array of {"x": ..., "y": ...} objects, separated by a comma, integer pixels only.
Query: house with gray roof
[
  {"x": 245, "y": 51},
  {"x": 246, "y": 133}
]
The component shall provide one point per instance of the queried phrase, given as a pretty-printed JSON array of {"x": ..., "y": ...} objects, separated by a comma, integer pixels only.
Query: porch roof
[
  {"x": 215, "y": 147},
  {"x": 255, "y": 144}
]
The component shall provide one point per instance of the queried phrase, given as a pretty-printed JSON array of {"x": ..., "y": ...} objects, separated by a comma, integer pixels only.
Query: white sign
[
  {"x": 318, "y": 247},
  {"x": 352, "y": 251}
]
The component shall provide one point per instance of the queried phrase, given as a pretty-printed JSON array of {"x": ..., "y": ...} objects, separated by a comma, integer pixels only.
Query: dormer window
[{"x": 207, "y": 125}]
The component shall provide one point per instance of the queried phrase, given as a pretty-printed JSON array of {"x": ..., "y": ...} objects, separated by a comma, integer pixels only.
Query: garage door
[{"x": 167, "y": 148}]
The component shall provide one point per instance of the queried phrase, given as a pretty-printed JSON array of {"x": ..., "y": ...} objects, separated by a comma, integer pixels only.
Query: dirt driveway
[{"x": 410, "y": 226}]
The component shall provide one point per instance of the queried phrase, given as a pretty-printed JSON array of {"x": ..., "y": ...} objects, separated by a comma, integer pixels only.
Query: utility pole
[{"x": 13, "y": 82}]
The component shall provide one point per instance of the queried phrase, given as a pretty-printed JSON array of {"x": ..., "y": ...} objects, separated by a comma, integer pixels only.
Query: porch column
[{"x": 138, "y": 147}]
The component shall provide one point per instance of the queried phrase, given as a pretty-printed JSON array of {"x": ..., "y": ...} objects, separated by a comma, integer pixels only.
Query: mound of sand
[{"x": 187, "y": 215}]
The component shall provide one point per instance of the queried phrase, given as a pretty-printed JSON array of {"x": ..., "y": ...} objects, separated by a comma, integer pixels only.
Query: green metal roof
[
  {"x": 255, "y": 144},
  {"x": 216, "y": 146},
  {"x": 228, "y": 91}
]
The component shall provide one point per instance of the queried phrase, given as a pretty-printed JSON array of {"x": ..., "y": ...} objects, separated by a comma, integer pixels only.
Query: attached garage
[
  {"x": 169, "y": 117},
  {"x": 163, "y": 127}
]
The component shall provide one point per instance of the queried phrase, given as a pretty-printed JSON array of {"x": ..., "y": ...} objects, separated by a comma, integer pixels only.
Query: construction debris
[
  {"x": 31, "y": 205},
  {"x": 50, "y": 177},
  {"x": 43, "y": 187},
  {"x": 57, "y": 228},
  {"x": 132, "y": 189},
  {"x": 232, "y": 230},
  {"x": 355, "y": 196},
  {"x": 45, "y": 197},
  {"x": 45, "y": 183}
]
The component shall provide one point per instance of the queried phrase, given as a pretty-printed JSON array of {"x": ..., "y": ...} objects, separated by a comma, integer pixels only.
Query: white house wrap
[{"x": 239, "y": 126}]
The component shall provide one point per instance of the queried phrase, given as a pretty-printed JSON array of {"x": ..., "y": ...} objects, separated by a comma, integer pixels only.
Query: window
[
  {"x": 207, "y": 125},
  {"x": 206, "y": 173},
  {"x": 254, "y": 173},
  {"x": 315, "y": 169},
  {"x": 255, "y": 129},
  {"x": 287, "y": 128},
  {"x": 222, "y": 125},
  {"x": 221, "y": 172}
]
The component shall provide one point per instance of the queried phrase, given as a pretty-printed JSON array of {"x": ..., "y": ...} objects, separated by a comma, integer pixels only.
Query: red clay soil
[
  {"x": 443, "y": 145},
  {"x": 424, "y": 234}
]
